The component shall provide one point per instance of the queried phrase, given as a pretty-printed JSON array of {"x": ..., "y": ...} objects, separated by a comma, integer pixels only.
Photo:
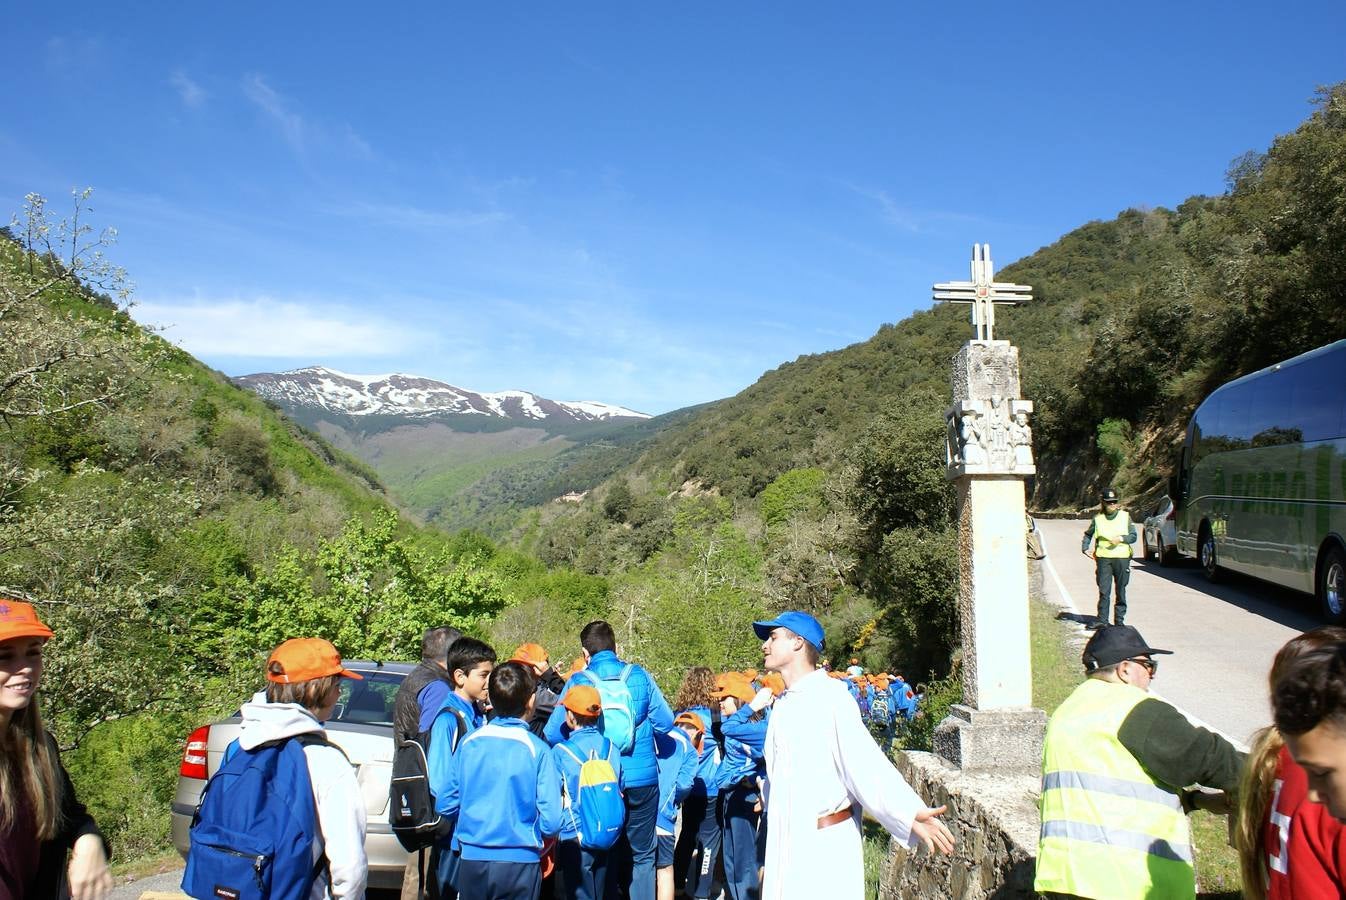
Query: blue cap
[{"x": 801, "y": 623}]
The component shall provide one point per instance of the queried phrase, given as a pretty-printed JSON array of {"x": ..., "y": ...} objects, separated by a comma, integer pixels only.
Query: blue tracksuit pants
[{"x": 740, "y": 842}]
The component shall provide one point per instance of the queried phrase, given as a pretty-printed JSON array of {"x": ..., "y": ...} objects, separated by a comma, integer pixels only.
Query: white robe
[{"x": 819, "y": 757}]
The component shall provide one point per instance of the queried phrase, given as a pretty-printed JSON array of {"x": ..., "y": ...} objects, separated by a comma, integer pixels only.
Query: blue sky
[{"x": 646, "y": 204}]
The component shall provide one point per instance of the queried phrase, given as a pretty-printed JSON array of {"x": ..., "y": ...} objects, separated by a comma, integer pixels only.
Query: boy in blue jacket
[
  {"x": 582, "y": 870},
  {"x": 741, "y": 772},
  {"x": 640, "y": 771},
  {"x": 678, "y": 753},
  {"x": 506, "y": 792},
  {"x": 469, "y": 665}
]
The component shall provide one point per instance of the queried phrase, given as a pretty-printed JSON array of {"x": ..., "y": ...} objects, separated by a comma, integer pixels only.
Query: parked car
[
  {"x": 362, "y": 725},
  {"x": 1161, "y": 534}
]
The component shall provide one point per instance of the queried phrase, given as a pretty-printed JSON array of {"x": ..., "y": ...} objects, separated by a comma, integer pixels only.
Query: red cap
[
  {"x": 583, "y": 700},
  {"x": 19, "y": 619},
  {"x": 304, "y": 659}
]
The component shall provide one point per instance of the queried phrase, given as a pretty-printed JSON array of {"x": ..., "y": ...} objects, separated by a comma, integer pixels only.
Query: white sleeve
[
  {"x": 869, "y": 776},
  {"x": 341, "y": 820}
]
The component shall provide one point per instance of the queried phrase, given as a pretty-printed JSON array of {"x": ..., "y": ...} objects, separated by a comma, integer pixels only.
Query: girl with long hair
[
  {"x": 1288, "y": 846},
  {"x": 41, "y": 820},
  {"x": 699, "y": 842}
]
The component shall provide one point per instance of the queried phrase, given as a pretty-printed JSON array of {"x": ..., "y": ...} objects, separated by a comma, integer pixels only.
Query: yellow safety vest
[
  {"x": 1109, "y": 830},
  {"x": 1110, "y": 535}
]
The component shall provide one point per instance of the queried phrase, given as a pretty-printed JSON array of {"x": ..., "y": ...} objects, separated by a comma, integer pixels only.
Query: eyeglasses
[{"x": 1151, "y": 664}]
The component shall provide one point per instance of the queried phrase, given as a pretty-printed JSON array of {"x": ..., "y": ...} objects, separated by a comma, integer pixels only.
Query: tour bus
[{"x": 1261, "y": 484}]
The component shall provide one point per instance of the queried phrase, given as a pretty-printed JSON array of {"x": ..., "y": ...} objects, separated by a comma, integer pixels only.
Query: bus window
[{"x": 1316, "y": 396}]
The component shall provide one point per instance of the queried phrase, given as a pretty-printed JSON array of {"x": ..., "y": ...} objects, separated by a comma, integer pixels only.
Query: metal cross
[{"x": 981, "y": 293}]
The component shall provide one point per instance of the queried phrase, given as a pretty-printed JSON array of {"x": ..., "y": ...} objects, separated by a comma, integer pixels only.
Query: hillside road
[{"x": 1223, "y": 635}]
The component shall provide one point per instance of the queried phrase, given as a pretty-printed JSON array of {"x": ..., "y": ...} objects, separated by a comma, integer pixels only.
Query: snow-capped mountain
[{"x": 316, "y": 387}]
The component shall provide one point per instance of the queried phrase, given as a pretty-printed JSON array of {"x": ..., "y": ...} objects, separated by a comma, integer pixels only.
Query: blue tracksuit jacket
[
  {"x": 651, "y": 714},
  {"x": 745, "y": 747},
  {"x": 582, "y": 743},
  {"x": 439, "y": 757},
  {"x": 505, "y": 791},
  {"x": 677, "y": 770},
  {"x": 707, "y": 781}
]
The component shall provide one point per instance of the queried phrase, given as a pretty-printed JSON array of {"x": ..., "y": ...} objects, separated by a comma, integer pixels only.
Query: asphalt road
[{"x": 1223, "y": 635}]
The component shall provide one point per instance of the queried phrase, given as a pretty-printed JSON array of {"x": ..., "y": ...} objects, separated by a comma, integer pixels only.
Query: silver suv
[{"x": 362, "y": 725}]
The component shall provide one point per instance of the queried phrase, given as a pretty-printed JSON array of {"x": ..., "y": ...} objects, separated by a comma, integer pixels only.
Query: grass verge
[{"x": 1057, "y": 672}]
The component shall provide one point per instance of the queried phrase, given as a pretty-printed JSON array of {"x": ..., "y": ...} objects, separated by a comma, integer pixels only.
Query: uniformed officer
[{"x": 1108, "y": 540}]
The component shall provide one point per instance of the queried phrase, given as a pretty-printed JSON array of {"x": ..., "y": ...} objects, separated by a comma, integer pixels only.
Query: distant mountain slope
[
  {"x": 417, "y": 397},
  {"x": 459, "y": 458}
]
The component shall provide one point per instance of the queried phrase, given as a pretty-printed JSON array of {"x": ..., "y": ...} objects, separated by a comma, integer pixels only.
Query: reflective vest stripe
[
  {"x": 1130, "y": 840},
  {"x": 1106, "y": 784}
]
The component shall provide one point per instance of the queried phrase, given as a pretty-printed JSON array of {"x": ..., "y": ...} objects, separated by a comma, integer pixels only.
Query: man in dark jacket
[{"x": 419, "y": 698}]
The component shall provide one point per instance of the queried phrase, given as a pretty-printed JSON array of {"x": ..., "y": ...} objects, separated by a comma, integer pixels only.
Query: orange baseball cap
[
  {"x": 693, "y": 721},
  {"x": 690, "y": 718},
  {"x": 533, "y": 654},
  {"x": 731, "y": 684},
  {"x": 774, "y": 681},
  {"x": 576, "y": 666},
  {"x": 583, "y": 700},
  {"x": 19, "y": 620},
  {"x": 304, "y": 659}
]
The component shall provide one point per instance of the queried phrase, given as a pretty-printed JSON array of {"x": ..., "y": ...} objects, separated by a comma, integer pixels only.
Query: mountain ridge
[{"x": 418, "y": 397}]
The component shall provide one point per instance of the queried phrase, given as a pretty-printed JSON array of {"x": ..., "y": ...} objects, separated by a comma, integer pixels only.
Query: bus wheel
[
  {"x": 1331, "y": 584},
  {"x": 1210, "y": 567}
]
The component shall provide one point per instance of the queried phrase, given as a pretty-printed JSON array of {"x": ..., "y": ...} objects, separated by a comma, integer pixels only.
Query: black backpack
[{"x": 411, "y": 803}]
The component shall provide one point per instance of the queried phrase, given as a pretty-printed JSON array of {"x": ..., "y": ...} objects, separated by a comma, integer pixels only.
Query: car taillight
[{"x": 194, "y": 756}]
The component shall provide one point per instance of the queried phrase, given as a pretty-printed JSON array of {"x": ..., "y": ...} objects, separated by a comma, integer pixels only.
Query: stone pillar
[{"x": 990, "y": 455}]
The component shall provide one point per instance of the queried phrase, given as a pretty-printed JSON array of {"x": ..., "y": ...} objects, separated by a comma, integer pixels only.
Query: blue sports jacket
[
  {"x": 582, "y": 743},
  {"x": 677, "y": 770},
  {"x": 707, "y": 782},
  {"x": 651, "y": 714},
  {"x": 439, "y": 756},
  {"x": 745, "y": 748},
  {"x": 505, "y": 791}
]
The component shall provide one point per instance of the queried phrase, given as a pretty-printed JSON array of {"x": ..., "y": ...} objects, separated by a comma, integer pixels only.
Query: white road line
[
  {"x": 1070, "y": 605},
  {"x": 1060, "y": 586}
]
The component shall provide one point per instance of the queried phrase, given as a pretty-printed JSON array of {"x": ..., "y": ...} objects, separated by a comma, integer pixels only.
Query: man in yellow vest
[
  {"x": 1108, "y": 540},
  {"x": 1115, "y": 765}
]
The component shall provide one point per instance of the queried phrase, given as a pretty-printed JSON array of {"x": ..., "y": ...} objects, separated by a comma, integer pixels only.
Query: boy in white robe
[{"x": 822, "y": 770}]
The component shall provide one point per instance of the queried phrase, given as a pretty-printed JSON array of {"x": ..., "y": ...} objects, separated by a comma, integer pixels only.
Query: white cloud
[
  {"x": 265, "y": 327},
  {"x": 192, "y": 94},
  {"x": 291, "y": 124},
  {"x": 300, "y": 132},
  {"x": 415, "y": 218}
]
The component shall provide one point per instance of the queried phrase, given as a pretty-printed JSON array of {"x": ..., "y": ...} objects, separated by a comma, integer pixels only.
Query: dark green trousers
[{"x": 1110, "y": 569}]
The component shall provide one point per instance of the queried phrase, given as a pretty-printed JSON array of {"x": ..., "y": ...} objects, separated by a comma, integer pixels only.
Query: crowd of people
[{"x": 589, "y": 783}]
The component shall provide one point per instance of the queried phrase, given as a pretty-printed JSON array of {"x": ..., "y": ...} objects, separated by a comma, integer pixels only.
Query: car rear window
[{"x": 370, "y": 701}]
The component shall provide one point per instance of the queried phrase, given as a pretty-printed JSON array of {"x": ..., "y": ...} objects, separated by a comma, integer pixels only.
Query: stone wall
[{"x": 994, "y": 819}]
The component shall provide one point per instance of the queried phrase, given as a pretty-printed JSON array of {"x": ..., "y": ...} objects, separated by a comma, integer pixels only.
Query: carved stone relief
[{"x": 989, "y": 437}]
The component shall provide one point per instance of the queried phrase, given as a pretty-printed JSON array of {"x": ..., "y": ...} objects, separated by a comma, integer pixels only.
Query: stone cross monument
[{"x": 989, "y": 456}]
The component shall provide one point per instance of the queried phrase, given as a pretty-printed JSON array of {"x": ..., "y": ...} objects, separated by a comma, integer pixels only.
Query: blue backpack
[
  {"x": 597, "y": 810},
  {"x": 253, "y": 833},
  {"x": 879, "y": 708},
  {"x": 618, "y": 720}
]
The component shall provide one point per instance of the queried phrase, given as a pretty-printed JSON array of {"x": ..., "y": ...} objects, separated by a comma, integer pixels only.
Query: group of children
[
  {"x": 884, "y": 699},
  {"x": 522, "y": 809}
]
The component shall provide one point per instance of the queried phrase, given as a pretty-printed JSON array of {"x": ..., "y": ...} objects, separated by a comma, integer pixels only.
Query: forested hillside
[
  {"x": 821, "y": 485},
  {"x": 171, "y": 529},
  {"x": 1133, "y": 320}
]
